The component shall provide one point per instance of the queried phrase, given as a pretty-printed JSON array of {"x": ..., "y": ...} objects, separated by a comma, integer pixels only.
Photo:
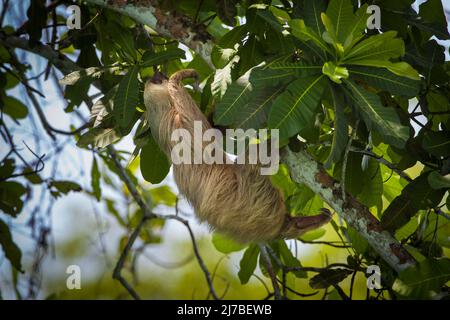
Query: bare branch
[{"x": 273, "y": 276}]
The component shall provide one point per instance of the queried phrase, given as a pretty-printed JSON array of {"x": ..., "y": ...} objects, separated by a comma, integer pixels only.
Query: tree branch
[{"x": 306, "y": 170}]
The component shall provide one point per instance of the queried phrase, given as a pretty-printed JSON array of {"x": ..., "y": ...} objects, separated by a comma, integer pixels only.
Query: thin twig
[{"x": 273, "y": 277}]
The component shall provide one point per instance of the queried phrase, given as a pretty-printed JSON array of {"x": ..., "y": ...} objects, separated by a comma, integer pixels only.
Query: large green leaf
[
  {"x": 278, "y": 72},
  {"x": 358, "y": 25},
  {"x": 154, "y": 58},
  {"x": 424, "y": 278},
  {"x": 296, "y": 107},
  {"x": 10, "y": 197},
  {"x": 254, "y": 112},
  {"x": 385, "y": 80},
  {"x": 378, "y": 47},
  {"x": 401, "y": 68},
  {"x": 127, "y": 98},
  {"x": 417, "y": 195},
  {"x": 246, "y": 101},
  {"x": 340, "y": 135},
  {"x": 95, "y": 180},
  {"x": 311, "y": 12},
  {"x": 11, "y": 250},
  {"x": 385, "y": 120},
  {"x": 341, "y": 15},
  {"x": 438, "y": 181},
  {"x": 14, "y": 108},
  {"x": 99, "y": 137},
  {"x": 154, "y": 163},
  {"x": 236, "y": 97},
  {"x": 328, "y": 277},
  {"x": 437, "y": 143},
  {"x": 226, "y": 244},
  {"x": 301, "y": 31},
  {"x": 248, "y": 263}
]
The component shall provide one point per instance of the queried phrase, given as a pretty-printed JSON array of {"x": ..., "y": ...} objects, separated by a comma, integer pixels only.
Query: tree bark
[{"x": 304, "y": 169}]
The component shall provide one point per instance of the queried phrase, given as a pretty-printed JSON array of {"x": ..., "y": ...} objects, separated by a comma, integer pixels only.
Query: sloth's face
[{"x": 156, "y": 96}]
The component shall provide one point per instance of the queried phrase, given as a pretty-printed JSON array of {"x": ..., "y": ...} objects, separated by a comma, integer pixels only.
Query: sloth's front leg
[{"x": 296, "y": 226}]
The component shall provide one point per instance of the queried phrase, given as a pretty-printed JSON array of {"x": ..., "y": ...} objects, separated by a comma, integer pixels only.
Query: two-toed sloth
[{"x": 235, "y": 199}]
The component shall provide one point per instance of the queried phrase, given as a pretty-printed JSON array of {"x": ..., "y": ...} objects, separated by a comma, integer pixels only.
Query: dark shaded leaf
[
  {"x": 11, "y": 250},
  {"x": 328, "y": 278},
  {"x": 154, "y": 163},
  {"x": 127, "y": 98},
  {"x": 248, "y": 263}
]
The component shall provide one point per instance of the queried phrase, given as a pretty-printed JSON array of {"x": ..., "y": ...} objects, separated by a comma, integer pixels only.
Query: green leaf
[
  {"x": 163, "y": 195},
  {"x": 384, "y": 119},
  {"x": 434, "y": 18},
  {"x": 95, "y": 180},
  {"x": 296, "y": 107},
  {"x": 387, "y": 81},
  {"x": 437, "y": 143},
  {"x": 311, "y": 12},
  {"x": 127, "y": 98},
  {"x": 359, "y": 243},
  {"x": 155, "y": 58},
  {"x": 34, "y": 178},
  {"x": 438, "y": 181},
  {"x": 98, "y": 137},
  {"x": 123, "y": 40},
  {"x": 378, "y": 47},
  {"x": 11, "y": 250},
  {"x": 417, "y": 195},
  {"x": 237, "y": 95},
  {"x": 313, "y": 234},
  {"x": 356, "y": 31},
  {"x": 222, "y": 56},
  {"x": 233, "y": 36},
  {"x": 424, "y": 278},
  {"x": 225, "y": 244},
  {"x": 37, "y": 19},
  {"x": 14, "y": 108},
  {"x": 341, "y": 15},
  {"x": 248, "y": 263},
  {"x": 288, "y": 259},
  {"x": 279, "y": 73},
  {"x": 7, "y": 168},
  {"x": 246, "y": 101},
  {"x": 401, "y": 69},
  {"x": 301, "y": 31},
  {"x": 154, "y": 163},
  {"x": 330, "y": 35},
  {"x": 65, "y": 186},
  {"x": 340, "y": 135},
  {"x": 334, "y": 72},
  {"x": 328, "y": 277},
  {"x": 10, "y": 194}
]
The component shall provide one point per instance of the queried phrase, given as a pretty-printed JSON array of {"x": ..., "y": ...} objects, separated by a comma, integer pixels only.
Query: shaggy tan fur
[{"x": 234, "y": 199}]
